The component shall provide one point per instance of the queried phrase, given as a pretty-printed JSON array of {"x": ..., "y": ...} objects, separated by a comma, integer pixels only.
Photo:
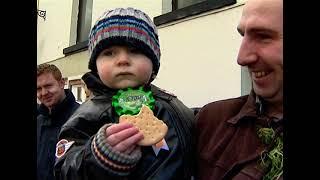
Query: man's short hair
[{"x": 49, "y": 68}]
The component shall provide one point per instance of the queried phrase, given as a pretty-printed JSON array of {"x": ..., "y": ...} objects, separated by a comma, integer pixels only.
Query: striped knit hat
[{"x": 129, "y": 27}]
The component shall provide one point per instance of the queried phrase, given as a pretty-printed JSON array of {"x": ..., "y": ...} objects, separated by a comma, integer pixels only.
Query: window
[
  {"x": 81, "y": 25},
  {"x": 179, "y": 9},
  {"x": 246, "y": 83},
  {"x": 79, "y": 93},
  {"x": 84, "y": 20},
  {"x": 77, "y": 88},
  {"x": 176, "y": 4}
]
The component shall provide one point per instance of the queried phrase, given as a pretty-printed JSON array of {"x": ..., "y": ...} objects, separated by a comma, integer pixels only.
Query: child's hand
[{"x": 123, "y": 137}]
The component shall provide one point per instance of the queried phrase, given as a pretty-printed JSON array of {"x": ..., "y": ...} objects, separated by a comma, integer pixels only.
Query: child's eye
[
  {"x": 135, "y": 51},
  {"x": 108, "y": 52}
]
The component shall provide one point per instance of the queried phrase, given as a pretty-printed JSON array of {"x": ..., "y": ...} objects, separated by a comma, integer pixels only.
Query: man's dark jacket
[{"x": 48, "y": 127}]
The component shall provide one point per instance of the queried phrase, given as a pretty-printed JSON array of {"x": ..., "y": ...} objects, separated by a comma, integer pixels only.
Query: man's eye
[
  {"x": 48, "y": 86},
  {"x": 264, "y": 37}
]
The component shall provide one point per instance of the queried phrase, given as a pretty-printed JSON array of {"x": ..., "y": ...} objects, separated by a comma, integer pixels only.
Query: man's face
[
  {"x": 50, "y": 92},
  {"x": 261, "y": 49}
]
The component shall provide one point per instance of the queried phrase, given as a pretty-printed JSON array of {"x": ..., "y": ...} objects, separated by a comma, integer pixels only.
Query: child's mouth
[{"x": 124, "y": 73}]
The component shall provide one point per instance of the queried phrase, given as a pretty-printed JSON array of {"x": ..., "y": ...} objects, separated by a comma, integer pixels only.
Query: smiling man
[
  {"x": 57, "y": 105},
  {"x": 242, "y": 138}
]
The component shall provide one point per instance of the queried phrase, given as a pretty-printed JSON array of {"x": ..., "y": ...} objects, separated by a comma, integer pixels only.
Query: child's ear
[{"x": 153, "y": 75}]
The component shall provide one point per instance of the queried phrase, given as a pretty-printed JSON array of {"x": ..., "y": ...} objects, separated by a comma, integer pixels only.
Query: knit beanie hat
[{"x": 124, "y": 26}]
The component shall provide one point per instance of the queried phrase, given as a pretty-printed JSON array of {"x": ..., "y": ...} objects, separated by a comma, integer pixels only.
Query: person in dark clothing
[
  {"x": 37, "y": 110},
  {"x": 242, "y": 138},
  {"x": 57, "y": 105},
  {"x": 124, "y": 59}
]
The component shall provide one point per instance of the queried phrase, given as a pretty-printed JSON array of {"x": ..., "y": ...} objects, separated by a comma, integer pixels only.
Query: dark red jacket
[{"x": 228, "y": 146}]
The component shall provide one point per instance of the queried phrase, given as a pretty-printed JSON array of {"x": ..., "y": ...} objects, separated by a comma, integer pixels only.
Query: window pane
[
  {"x": 79, "y": 94},
  {"x": 185, "y": 3},
  {"x": 84, "y": 20}
]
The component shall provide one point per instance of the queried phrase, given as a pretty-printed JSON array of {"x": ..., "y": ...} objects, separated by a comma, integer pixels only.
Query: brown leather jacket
[{"x": 228, "y": 146}]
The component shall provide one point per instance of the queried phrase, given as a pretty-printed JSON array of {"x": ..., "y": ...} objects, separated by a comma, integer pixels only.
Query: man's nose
[
  {"x": 247, "y": 52},
  {"x": 44, "y": 91}
]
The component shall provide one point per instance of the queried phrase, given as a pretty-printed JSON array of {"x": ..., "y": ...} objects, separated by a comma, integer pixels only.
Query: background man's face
[{"x": 49, "y": 90}]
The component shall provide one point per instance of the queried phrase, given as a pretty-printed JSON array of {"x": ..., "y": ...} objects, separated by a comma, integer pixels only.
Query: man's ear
[{"x": 61, "y": 83}]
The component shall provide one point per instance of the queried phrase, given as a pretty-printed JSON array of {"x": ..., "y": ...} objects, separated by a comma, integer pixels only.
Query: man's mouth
[
  {"x": 47, "y": 99},
  {"x": 260, "y": 74}
]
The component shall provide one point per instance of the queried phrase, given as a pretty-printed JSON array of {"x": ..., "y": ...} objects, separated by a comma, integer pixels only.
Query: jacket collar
[
  {"x": 95, "y": 85},
  {"x": 247, "y": 110},
  {"x": 253, "y": 108}
]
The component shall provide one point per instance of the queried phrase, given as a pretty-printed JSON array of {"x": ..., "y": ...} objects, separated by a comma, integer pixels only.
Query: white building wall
[
  {"x": 53, "y": 33},
  {"x": 198, "y": 61}
]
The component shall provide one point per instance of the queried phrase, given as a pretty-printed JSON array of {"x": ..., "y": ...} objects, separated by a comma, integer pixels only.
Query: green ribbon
[{"x": 129, "y": 101}]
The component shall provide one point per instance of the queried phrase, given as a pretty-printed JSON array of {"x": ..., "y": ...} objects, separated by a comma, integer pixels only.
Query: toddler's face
[{"x": 121, "y": 67}]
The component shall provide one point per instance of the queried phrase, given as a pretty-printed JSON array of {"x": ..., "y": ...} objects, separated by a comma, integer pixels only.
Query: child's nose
[{"x": 123, "y": 58}]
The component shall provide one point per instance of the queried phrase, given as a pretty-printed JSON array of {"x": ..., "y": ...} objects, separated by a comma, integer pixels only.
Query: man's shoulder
[
  {"x": 216, "y": 114},
  {"x": 157, "y": 91},
  {"x": 231, "y": 102},
  {"x": 223, "y": 109}
]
